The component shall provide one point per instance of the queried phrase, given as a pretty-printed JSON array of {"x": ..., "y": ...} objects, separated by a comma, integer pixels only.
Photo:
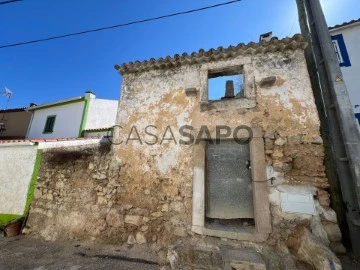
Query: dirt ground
[{"x": 24, "y": 252}]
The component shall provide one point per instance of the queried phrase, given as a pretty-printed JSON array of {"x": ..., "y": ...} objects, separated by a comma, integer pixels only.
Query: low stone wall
[
  {"x": 82, "y": 193},
  {"x": 75, "y": 190}
]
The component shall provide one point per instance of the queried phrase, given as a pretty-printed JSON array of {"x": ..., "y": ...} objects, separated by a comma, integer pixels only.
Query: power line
[
  {"x": 118, "y": 25},
  {"x": 9, "y": 2}
]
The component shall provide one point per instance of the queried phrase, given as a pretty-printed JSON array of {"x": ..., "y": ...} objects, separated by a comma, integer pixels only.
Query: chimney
[
  {"x": 32, "y": 104},
  {"x": 266, "y": 37},
  {"x": 90, "y": 94},
  {"x": 229, "y": 89}
]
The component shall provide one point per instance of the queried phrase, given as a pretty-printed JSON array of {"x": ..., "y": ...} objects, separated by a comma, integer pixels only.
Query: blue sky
[{"x": 64, "y": 68}]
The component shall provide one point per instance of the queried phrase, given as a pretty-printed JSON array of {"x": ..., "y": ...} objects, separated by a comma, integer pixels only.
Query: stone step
[
  {"x": 227, "y": 258},
  {"x": 243, "y": 259}
]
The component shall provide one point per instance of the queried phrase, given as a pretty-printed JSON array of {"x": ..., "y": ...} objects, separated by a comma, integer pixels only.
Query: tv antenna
[{"x": 6, "y": 93}]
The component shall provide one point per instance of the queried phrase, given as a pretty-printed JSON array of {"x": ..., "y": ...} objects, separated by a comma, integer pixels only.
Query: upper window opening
[
  {"x": 225, "y": 84},
  {"x": 49, "y": 125}
]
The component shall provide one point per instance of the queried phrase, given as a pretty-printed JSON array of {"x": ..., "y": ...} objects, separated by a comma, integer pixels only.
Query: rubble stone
[
  {"x": 140, "y": 238},
  {"x": 131, "y": 240},
  {"x": 135, "y": 220},
  {"x": 310, "y": 250},
  {"x": 179, "y": 231},
  {"x": 177, "y": 207},
  {"x": 323, "y": 198},
  {"x": 332, "y": 230}
]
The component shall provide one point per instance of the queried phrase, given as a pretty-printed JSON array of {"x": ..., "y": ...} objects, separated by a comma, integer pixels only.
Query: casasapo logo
[{"x": 185, "y": 135}]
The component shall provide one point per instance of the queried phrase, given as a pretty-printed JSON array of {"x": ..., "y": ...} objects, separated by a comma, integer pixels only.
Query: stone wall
[{"x": 82, "y": 194}]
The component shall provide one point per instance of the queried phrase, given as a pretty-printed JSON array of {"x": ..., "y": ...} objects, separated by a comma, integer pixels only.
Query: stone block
[
  {"x": 165, "y": 208},
  {"x": 156, "y": 214},
  {"x": 131, "y": 240},
  {"x": 280, "y": 141},
  {"x": 268, "y": 81},
  {"x": 309, "y": 249},
  {"x": 180, "y": 231},
  {"x": 337, "y": 248},
  {"x": 332, "y": 230},
  {"x": 140, "y": 238},
  {"x": 245, "y": 259},
  {"x": 177, "y": 207},
  {"x": 318, "y": 230},
  {"x": 317, "y": 140},
  {"x": 327, "y": 214},
  {"x": 114, "y": 219},
  {"x": 134, "y": 220},
  {"x": 144, "y": 228},
  {"x": 269, "y": 134},
  {"x": 173, "y": 258},
  {"x": 203, "y": 257},
  {"x": 191, "y": 91},
  {"x": 323, "y": 198}
]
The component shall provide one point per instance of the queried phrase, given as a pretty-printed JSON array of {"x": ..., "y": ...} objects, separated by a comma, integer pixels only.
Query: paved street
[{"x": 24, "y": 252}]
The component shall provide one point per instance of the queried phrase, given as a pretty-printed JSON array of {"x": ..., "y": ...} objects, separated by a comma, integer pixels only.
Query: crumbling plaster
[{"x": 158, "y": 98}]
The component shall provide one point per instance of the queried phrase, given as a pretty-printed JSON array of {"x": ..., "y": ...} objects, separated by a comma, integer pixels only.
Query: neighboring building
[
  {"x": 346, "y": 39},
  {"x": 74, "y": 117},
  {"x": 14, "y": 123}
]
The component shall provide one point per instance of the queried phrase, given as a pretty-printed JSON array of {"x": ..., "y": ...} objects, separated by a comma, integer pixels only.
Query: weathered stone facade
[{"x": 142, "y": 192}]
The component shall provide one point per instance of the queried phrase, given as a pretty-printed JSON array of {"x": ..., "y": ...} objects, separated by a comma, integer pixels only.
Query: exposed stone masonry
[{"x": 81, "y": 195}]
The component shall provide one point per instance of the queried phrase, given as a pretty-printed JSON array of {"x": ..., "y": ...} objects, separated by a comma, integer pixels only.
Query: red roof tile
[
  {"x": 48, "y": 140},
  {"x": 344, "y": 24},
  {"x": 293, "y": 43}
]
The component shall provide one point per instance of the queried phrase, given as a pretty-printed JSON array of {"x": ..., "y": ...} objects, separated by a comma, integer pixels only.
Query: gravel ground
[
  {"x": 24, "y": 252},
  {"x": 349, "y": 262}
]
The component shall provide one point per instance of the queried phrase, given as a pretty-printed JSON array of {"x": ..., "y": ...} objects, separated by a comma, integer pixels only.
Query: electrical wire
[
  {"x": 10, "y": 1},
  {"x": 118, "y": 25}
]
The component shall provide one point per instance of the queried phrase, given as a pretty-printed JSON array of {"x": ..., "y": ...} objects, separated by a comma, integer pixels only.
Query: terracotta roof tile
[
  {"x": 344, "y": 24},
  {"x": 14, "y": 110},
  {"x": 98, "y": 129},
  {"x": 48, "y": 140},
  {"x": 293, "y": 43}
]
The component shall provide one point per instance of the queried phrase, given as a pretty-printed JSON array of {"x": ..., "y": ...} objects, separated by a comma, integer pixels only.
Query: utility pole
[{"x": 339, "y": 128}]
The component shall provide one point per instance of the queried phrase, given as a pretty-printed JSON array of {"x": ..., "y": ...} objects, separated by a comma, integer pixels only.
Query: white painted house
[
  {"x": 346, "y": 39},
  {"x": 83, "y": 116}
]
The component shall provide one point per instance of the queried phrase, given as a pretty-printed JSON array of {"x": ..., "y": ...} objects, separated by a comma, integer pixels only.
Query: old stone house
[
  {"x": 165, "y": 184},
  {"x": 194, "y": 189}
]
